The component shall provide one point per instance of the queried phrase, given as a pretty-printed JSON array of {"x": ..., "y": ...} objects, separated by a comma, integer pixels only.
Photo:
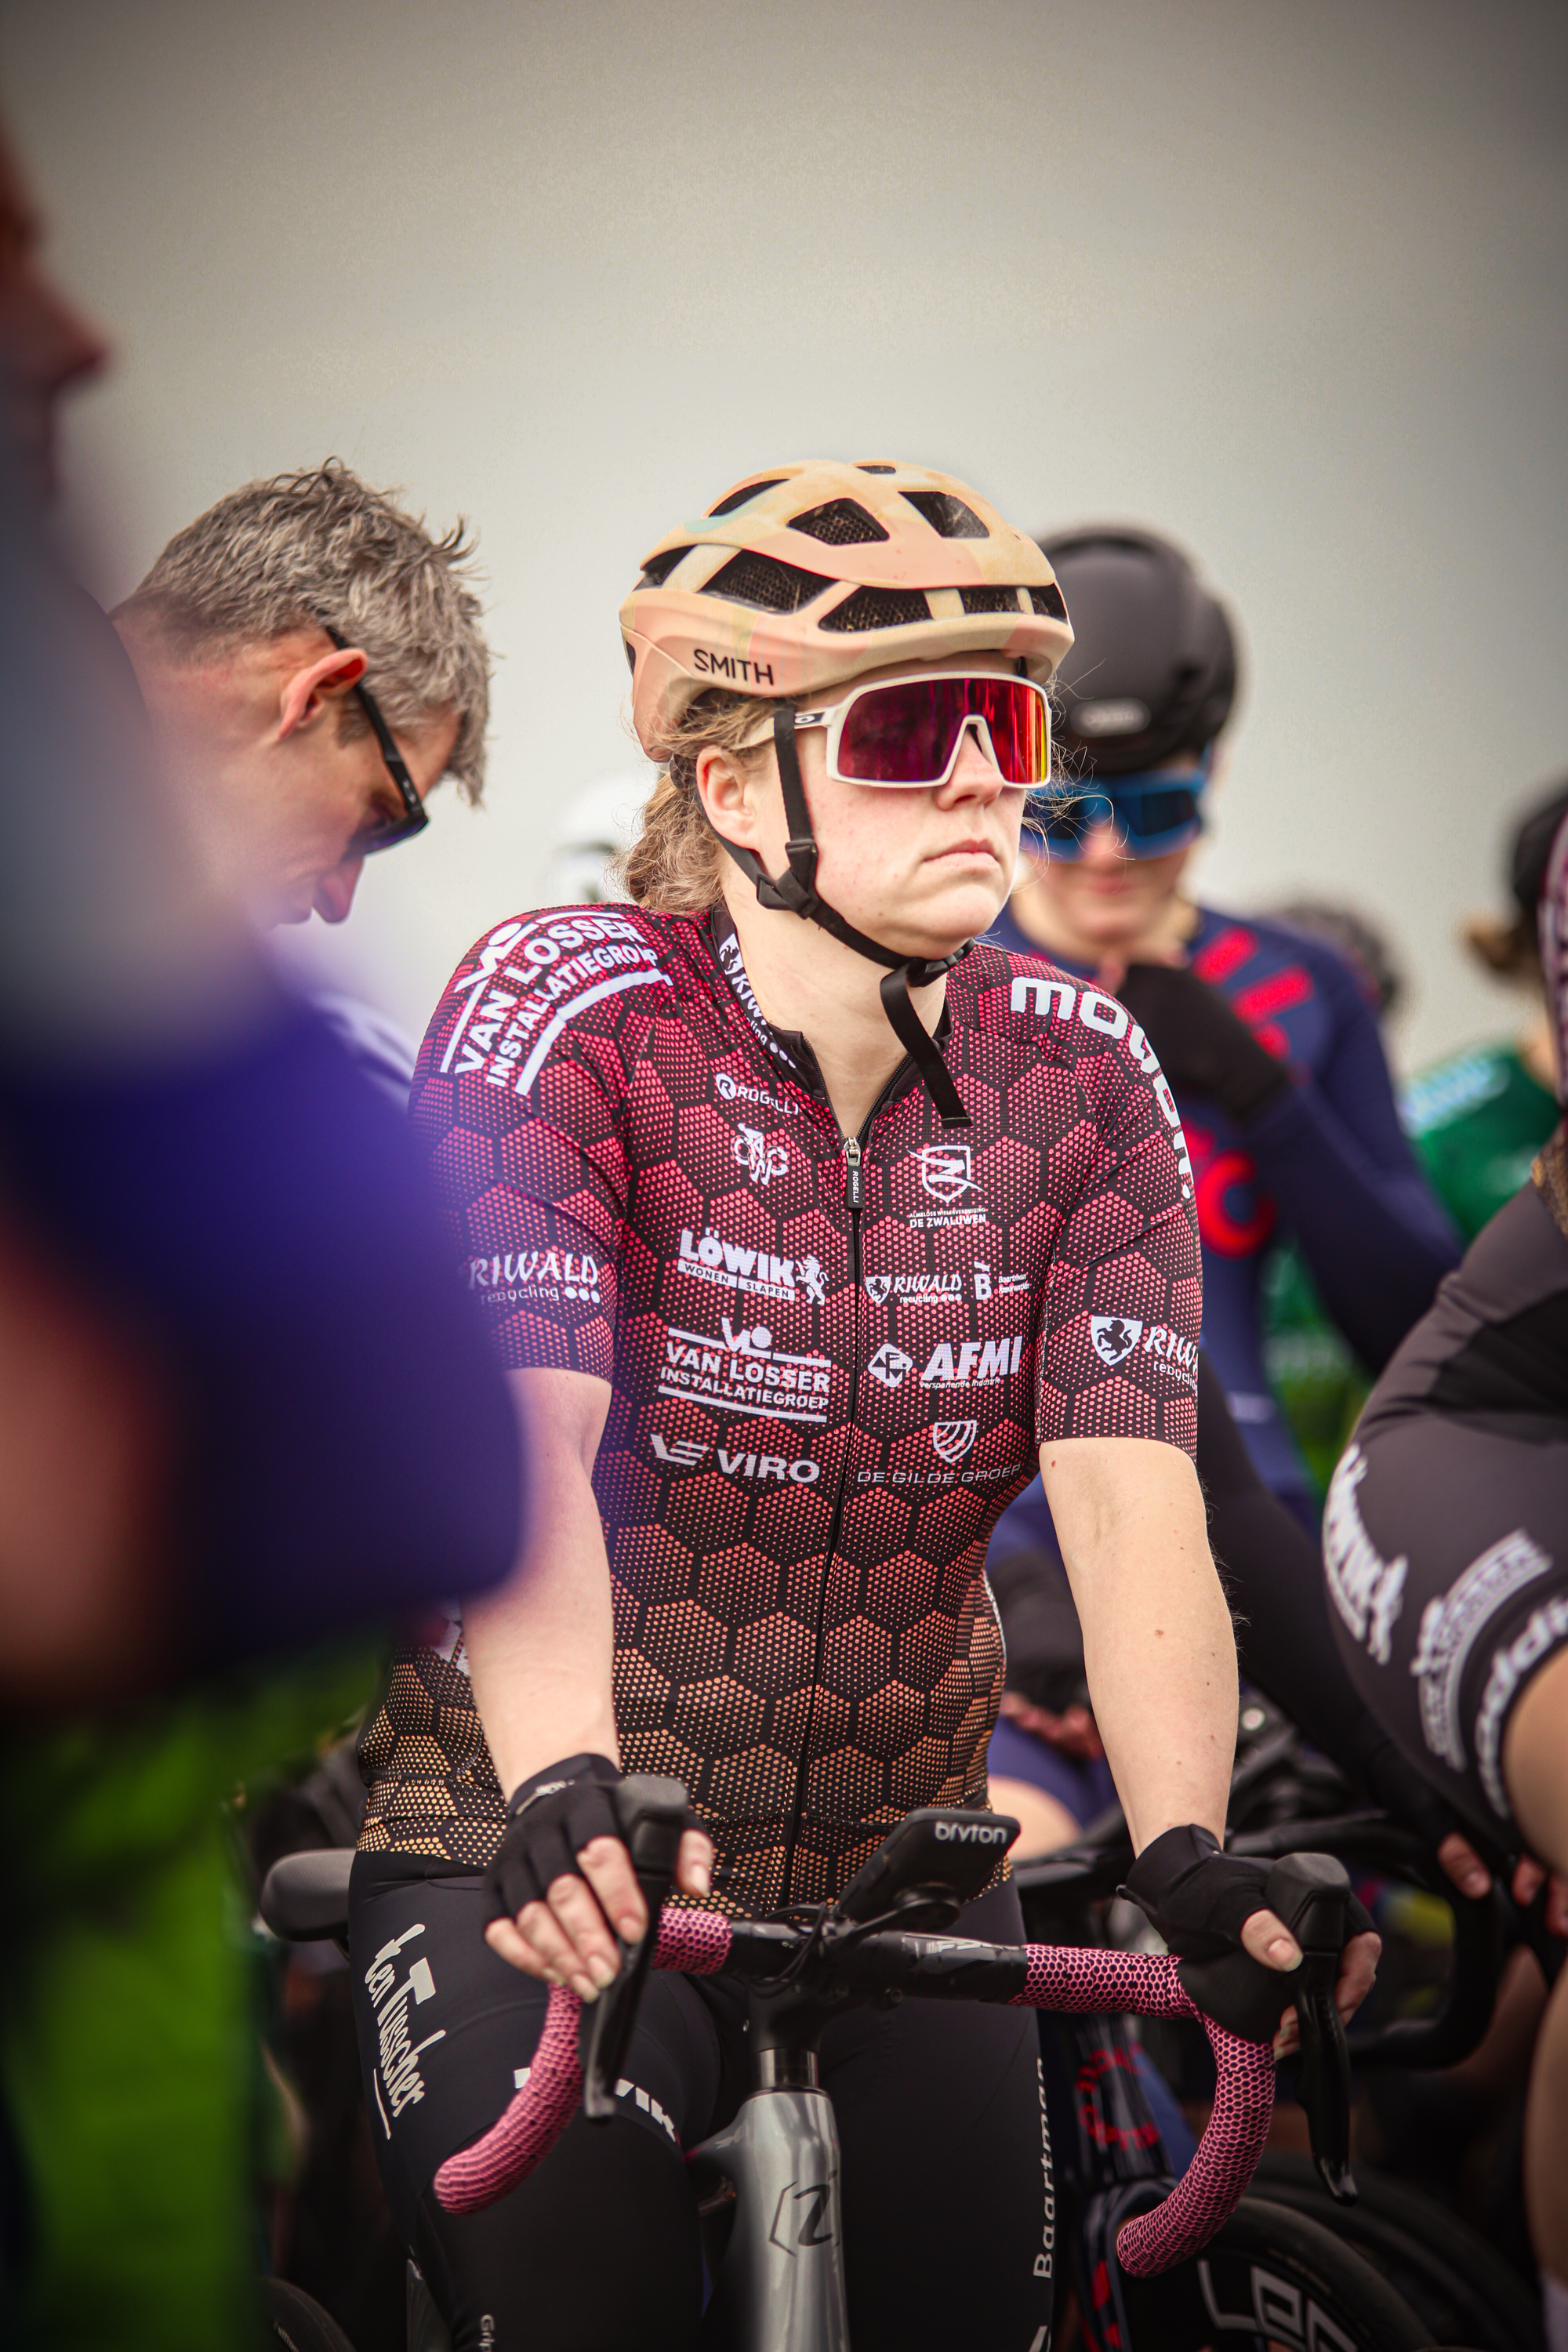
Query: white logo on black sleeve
[
  {"x": 1114, "y": 1337},
  {"x": 879, "y": 1288},
  {"x": 890, "y": 1364}
]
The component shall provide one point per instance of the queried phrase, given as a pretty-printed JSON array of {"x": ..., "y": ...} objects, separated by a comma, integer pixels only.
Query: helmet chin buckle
[{"x": 795, "y": 892}]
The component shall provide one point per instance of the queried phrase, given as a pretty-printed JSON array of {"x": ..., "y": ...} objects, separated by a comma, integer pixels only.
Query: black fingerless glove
[
  {"x": 1204, "y": 1046},
  {"x": 1197, "y": 1897},
  {"x": 1200, "y": 1899},
  {"x": 550, "y": 1819}
]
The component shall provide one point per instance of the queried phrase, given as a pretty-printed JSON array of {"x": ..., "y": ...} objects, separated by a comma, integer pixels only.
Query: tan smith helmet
[{"x": 804, "y": 576}]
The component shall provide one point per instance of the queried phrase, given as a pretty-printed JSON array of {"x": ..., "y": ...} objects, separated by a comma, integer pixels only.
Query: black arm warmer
[{"x": 1286, "y": 1645}]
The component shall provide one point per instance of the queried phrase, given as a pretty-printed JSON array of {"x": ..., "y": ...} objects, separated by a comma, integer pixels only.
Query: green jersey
[{"x": 1477, "y": 1120}]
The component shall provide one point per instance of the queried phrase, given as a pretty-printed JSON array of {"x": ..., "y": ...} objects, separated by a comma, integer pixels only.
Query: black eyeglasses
[{"x": 385, "y": 832}]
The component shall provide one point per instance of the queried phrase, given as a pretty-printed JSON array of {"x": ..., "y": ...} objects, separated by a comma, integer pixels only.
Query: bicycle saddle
[{"x": 305, "y": 1897}]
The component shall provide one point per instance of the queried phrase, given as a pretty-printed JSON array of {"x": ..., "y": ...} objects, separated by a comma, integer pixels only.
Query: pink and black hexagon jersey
[{"x": 818, "y": 1410}]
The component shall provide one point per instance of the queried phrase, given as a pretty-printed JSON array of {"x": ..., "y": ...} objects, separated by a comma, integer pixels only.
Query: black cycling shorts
[
  {"x": 948, "y": 2216},
  {"x": 1446, "y": 1532}
]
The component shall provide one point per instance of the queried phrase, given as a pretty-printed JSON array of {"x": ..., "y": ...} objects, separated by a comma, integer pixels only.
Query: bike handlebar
[{"x": 1035, "y": 1976}]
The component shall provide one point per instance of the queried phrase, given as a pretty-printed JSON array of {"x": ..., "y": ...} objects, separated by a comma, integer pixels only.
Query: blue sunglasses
[{"x": 1152, "y": 813}]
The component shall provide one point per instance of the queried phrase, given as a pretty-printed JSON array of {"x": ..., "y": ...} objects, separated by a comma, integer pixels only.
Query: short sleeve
[
  {"x": 1124, "y": 1302},
  {"x": 521, "y": 1118}
]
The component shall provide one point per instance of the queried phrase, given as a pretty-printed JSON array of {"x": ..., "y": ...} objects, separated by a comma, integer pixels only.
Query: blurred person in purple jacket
[{"x": 243, "y": 1406}]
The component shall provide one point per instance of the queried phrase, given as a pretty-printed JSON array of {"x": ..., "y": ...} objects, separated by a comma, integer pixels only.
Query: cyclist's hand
[
  {"x": 1203, "y": 1901},
  {"x": 1269, "y": 1940},
  {"x": 563, "y": 1882},
  {"x": 1471, "y": 1877},
  {"x": 1465, "y": 1868}
]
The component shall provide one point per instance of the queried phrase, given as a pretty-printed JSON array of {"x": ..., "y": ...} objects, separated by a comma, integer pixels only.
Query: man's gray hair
[{"x": 322, "y": 549}]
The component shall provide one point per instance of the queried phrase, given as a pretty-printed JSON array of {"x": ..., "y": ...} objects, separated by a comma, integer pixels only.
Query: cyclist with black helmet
[
  {"x": 809, "y": 1229},
  {"x": 1265, "y": 1034},
  {"x": 1445, "y": 1550}
]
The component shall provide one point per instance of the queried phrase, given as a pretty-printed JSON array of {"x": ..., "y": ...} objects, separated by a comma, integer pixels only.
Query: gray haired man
[{"x": 312, "y": 663}]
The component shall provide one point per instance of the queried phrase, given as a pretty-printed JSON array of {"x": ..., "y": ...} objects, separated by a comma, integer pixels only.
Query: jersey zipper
[{"x": 854, "y": 1200}]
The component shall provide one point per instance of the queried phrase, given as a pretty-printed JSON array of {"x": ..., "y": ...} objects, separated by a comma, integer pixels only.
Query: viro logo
[{"x": 686, "y": 1453}]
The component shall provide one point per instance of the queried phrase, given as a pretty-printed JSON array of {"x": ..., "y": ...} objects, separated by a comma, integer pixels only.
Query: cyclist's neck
[{"x": 805, "y": 981}]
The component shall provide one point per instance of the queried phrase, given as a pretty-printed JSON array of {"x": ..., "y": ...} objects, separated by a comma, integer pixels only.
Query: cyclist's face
[
  {"x": 1104, "y": 900},
  {"x": 923, "y": 868}
]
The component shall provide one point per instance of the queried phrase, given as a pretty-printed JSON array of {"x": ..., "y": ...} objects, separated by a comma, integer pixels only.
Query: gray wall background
[{"x": 1286, "y": 282}]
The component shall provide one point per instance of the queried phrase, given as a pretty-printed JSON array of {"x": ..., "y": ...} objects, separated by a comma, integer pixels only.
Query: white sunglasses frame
[{"x": 833, "y": 716}]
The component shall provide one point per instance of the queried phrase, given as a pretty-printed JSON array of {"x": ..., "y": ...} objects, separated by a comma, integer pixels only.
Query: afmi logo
[
  {"x": 977, "y": 1363},
  {"x": 890, "y": 1364},
  {"x": 972, "y": 1833},
  {"x": 686, "y": 1453}
]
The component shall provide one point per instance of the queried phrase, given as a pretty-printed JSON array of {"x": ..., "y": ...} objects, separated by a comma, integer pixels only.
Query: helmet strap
[{"x": 795, "y": 892}]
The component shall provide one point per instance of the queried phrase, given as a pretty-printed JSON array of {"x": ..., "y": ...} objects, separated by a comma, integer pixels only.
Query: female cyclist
[
  {"x": 808, "y": 1230},
  {"x": 1445, "y": 1549}
]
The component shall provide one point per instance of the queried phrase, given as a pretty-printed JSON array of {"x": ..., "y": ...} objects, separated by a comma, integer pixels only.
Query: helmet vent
[
  {"x": 752, "y": 579},
  {"x": 657, "y": 567},
  {"x": 875, "y": 469},
  {"x": 948, "y": 516},
  {"x": 1049, "y": 601},
  {"x": 842, "y": 522},
  {"x": 745, "y": 495},
  {"x": 878, "y": 608},
  {"x": 990, "y": 600}
]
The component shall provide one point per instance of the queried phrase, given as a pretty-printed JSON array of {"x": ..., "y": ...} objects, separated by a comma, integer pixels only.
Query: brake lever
[
  {"x": 1311, "y": 1892},
  {"x": 653, "y": 1813}
]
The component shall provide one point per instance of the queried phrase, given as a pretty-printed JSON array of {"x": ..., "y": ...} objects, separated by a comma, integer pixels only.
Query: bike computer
[{"x": 938, "y": 1858}]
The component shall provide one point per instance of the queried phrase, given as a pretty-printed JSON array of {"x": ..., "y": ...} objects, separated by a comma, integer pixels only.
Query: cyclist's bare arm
[
  {"x": 540, "y": 1652},
  {"x": 1160, "y": 1653}
]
